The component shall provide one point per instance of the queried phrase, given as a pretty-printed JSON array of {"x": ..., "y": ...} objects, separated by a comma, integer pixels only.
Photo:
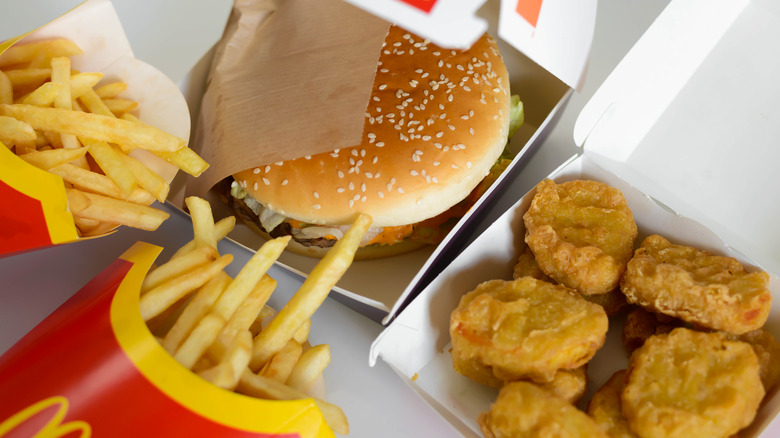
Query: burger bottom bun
[{"x": 364, "y": 253}]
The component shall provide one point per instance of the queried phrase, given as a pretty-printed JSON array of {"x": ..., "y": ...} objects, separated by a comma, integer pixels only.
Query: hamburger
[{"x": 434, "y": 137}]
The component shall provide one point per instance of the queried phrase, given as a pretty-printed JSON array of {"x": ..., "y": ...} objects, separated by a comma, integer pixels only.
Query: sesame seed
[
  {"x": 340, "y": 174},
  {"x": 316, "y": 206},
  {"x": 316, "y": 195},
  {"x": 266, "y": 181},
  {"x": 426, "y": 137},
  {"x": 341, "y": 190},
  {"x": 363, "y": 187},
  {"x": 351, "y": 203},
  {"x": 468, "y": 164},
  {"x": 254, "y": 186},
  {"x": 400, "y": 190},
  {"x": 436, "y": 163},
  {"x": 382, "y": 87},
  {"x": 380, "y": 194},
  {"x": 267, "y": 169},
  {"x": 380, "y": 144},
  {"x": 471, "y": 131},
  {"x": 351, "y": 185},
  {"x": 356, "y": 197},
  {"x": 284, "y": 182},
  {"x": 452, "y": 128},
  {"x": 256, "y": 170},
  {"x": 435, "y": 180},
  {"x": 363, "y": 199}
]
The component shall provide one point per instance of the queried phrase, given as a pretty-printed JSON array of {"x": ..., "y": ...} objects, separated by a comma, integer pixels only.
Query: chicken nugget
[
  {"x": 569, "y": 385},
  {"x": 604, "y": 407},
  {"x": 526, "y": 328},
  {"x": 523, "y": 409},
  {"x": 613, "y": 301},
  {"x": 691, "y": 384},
  {"x": 767, "y": 351},
  {"x": 641, "y": 324},
  {"x": 582, "y": 234},
  {"x": 696, "y": 286}
]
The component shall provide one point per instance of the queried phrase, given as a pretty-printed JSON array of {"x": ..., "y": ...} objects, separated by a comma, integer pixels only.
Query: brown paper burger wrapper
[{"x": 289, "y": 78}]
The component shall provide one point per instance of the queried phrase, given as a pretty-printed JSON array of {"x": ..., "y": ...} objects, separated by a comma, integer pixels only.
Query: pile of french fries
[
  {"x": 67, "y": 123},
  {"x": 221, "y": 328}
]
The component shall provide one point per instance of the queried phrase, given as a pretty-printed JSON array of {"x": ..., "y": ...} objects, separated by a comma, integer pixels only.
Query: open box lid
[{"x": 690, "y": 116}]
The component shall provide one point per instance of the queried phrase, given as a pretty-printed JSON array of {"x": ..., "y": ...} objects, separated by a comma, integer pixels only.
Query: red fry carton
[
  {"x": 34, "y": 212},
  {"x": 93, "y": 367}
]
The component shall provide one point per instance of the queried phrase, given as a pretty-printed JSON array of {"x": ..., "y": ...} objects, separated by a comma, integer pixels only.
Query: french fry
[
  {"x": 311, "y": 364},
  {"x": 82, "y": 82},
  {"x": 50, "y": 159},
  {"x": 43, "y": 95},
  {"x": 198, "y": 340},
  {"x": 226, "y": 373},
  {"x": 248, "y": 276},
  {"x": 199, "y": 305},
  {"x": 302, "y": 334},
  {"x": 281, "y": 364},
  {"x": 60, "y": 74},
  {"x": 221, "y": 229},
  {"x": 30, "y": 77},
  {"x": 103, "y": 208},
  {"x": 6, "y": 89},
  {"x": 101, "y": 229},
  {"x": 153, "y": 302},
  {"x": 262, "y": 387},
  {"x": 24, "y": 53},
  {"x": 146, "y": 177},
  {"x": 178, "y": 266},
  {"x": 111, "y": 90},
  {"x": 97, "y": 183},
  {"x": 185, "y": 158},
  {"x": 243, "y": 317},
  {"x": 95, "y": 104},
  {"x": 13, "y": 131},
  {"x": 95, "y": 126},
  {"x": 310, "y": 295},
  {"x": 202, "y": 221},
  {"x": 112, "y": 164},
  {"x": 120, "y": 106}
]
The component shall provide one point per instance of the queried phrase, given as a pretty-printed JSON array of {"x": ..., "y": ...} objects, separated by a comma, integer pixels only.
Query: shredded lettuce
[{"x": 516, "y": 114}]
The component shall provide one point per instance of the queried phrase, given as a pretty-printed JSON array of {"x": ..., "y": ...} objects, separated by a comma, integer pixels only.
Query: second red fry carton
[{"x": 93, "y": 367}]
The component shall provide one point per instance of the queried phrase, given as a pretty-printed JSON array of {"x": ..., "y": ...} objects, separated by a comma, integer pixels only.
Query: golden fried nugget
[
  {"x": 604, "y": 407},
  {"x": 569, "y": 385},
  {"x": 696, "y": 286},
  {"x": 691, "y": 384},
  {"x": 641, "y": 324},
  {"x": 527, "y": 266},
  {"x": 582, "y": 234},
  {"x": 767, "y": 351},
  {"x": 523, "y": 409},
  {"x": 527, "y": 328},
  {"x": 613, "y": 301}
]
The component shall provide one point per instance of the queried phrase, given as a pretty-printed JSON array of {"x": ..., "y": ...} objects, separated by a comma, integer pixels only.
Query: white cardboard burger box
[
  {"x": 380, "y": 288},
  {"x": 686, "y": 127}
]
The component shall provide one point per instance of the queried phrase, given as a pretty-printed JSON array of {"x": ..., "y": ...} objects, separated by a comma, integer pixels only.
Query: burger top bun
[{"x": 436, "y": 122}]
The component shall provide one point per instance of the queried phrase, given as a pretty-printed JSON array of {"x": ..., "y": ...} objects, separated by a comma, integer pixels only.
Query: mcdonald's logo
[
  {"x": 423, "y": 5},
  {"x": 54, "y": 428},
  {"x": 529, "y": 9}
]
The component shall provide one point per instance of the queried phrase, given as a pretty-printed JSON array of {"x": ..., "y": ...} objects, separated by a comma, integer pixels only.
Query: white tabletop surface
[{"x": 172, "y": 35}]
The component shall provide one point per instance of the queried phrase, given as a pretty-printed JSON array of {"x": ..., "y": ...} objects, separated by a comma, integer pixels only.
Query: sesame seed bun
[{"x": 436, "y": 121}]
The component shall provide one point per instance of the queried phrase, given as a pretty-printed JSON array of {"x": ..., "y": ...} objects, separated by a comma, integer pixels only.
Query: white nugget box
[{"x": 686, "y": 128}]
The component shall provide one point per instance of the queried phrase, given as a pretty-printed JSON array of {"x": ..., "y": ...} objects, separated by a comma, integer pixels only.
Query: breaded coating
[
  {"x": 641, "y": 324},
  {"x": 526, "y": 328},
  {"x": 696, "y": 286},
  {"x": 527, "y": 266},
  {"x": 604, "y": 407},
  {"x": 767, "y": 351},
  {"x": 524, "y": 410},
  {"x": 582, "y": 234},
  {"x": 569, "y": 385},
  {"x": 691, "y": 384},
  {"x": 613, "y": 301}
]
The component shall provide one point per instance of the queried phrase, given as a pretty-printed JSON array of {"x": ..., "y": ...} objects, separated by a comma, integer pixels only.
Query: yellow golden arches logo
[{"x": 53, "y": 428}]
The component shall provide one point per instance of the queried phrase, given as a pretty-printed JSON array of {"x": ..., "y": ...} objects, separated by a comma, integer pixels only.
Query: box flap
[
  {"x": 690, "y": 117},
  {"x": 556, "y": 34}
]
